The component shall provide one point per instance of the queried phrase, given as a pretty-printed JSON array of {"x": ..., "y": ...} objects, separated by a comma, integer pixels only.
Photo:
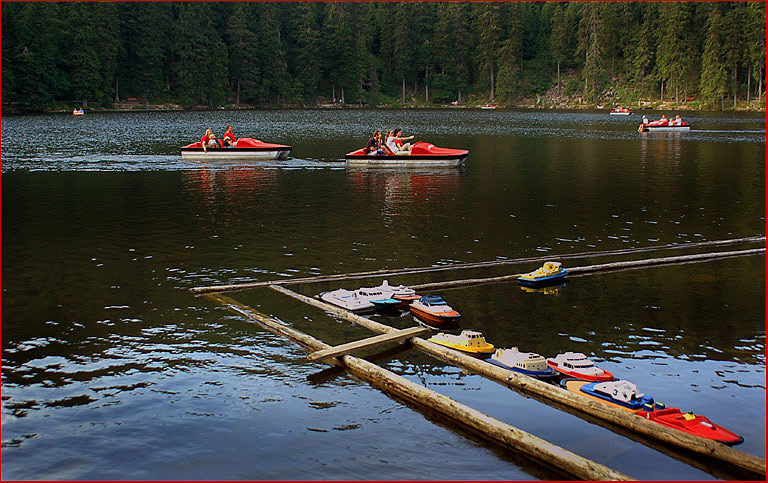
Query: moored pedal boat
[
  {"x": 528, "y": 363},
  {"x": 422, "y": 155},
  {"x": 245, "y": 148},
  {"x": 690, "y": 423},
  {"x": 360, "y": 300},
  {"x": 576, "y": 364},
  {"x": 550, "y": 273},
  {"x": 620, "y": 111},
  {"x": 468, "y": 341},
  {"x": 433, "y": 310},
  {"x": 621, "y": 394}
]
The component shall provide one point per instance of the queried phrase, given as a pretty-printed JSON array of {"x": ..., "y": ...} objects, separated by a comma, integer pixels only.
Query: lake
[{"x": 112, "y": 369}]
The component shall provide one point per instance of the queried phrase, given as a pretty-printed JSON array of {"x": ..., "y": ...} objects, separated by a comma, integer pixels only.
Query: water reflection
[{"x": 412, "y": 192}]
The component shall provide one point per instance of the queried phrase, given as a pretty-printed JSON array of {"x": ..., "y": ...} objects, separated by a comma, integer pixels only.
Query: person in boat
[
  {"x": 208, "y": 140},
  {"x": 663, "y": 119},
  {"x": 395, "y": 142},
  {"x": 229, "y": 139},
  {"x": 645, "y": 119},
  {"x": 677, "y": 121},
  {"x": 374, "y": 145}
]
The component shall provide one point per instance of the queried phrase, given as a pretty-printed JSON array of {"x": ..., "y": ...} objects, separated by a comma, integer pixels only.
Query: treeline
[{"x": 372, "y": 53}]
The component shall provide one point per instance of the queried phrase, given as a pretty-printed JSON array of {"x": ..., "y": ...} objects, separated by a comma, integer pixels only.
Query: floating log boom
[
  {"x": 548, "y": 392},
  {"x": 465, "y": 266},
  {"x": 481, "y": 424}
]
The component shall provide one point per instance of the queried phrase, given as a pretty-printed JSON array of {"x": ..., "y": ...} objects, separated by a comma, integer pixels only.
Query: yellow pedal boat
[{"x": 468, "y": 341}]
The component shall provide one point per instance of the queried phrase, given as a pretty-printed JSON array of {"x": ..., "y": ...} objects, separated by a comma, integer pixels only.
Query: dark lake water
[{"x": 112, "y": 369}]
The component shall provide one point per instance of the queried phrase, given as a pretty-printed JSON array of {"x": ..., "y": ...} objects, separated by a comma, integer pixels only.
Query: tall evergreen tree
[
  {"x": 676, "y": 57},
  {"x": 243, "y": 55},
  {"x": 486, "y": 23},
  {"x": 590, "y": 35},
  {"x": 714, "y": 74}
]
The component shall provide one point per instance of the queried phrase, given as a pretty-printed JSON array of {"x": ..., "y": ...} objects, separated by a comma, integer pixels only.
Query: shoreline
[{"x": 564, "y": 107}]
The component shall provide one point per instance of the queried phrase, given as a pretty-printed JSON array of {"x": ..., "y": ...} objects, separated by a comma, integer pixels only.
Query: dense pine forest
[{"x": 260, "y": 54}]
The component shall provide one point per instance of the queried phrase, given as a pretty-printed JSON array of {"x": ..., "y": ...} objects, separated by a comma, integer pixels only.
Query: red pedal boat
[
  {"x": 245, "y": 148},
  {"x": 692, "y": 424},
  {"x": 422, "y": 155}
]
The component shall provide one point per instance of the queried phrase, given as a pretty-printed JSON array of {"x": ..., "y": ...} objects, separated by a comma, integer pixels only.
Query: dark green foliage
[{"x": 308, "y": 53}]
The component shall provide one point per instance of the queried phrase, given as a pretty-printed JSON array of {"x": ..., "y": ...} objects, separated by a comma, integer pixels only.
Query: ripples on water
[
  {"x": 108, "y": 359},
  {"x": 150, "y": 140}
]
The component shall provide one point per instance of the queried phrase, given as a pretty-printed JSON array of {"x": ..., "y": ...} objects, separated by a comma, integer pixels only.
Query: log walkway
[
  {"x": 510, "y": 437},
  {"x": 613, "y": 418}
]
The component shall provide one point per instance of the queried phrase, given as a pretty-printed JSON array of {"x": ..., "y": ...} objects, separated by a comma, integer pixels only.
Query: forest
[{"x": 272, "y": 54}]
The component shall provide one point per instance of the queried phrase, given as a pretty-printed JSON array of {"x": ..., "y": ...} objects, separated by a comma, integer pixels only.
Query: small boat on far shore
[
  {"x": 78, "y": 112},
  {"x": 468, "y": 341},
  {"x": 488, "y": 106},
  {"x": 245, "y": 148},
  {"x": 421, "y": 155},
  {"x": 620, "y": 111}
]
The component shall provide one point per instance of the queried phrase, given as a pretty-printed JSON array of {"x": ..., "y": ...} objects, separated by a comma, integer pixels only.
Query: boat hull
[
  {"x": 235, "y": 153},
  {"x": 619, "y": 113},
  {"x": 542, "y": 281},
  {"x": 439, "y": 320},
  {"x": 668, "y": 128},
  {"x": 406, "y": 161}
]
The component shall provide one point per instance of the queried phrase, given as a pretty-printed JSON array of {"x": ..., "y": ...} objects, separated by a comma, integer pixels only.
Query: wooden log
[
  {"x": 350, "y": 347},
  {"x": 604, "y": 267},
  {"x": 470, "y": 265},
  {"x": 481, "y": 424},
  {"x": 746, "y": 462}
]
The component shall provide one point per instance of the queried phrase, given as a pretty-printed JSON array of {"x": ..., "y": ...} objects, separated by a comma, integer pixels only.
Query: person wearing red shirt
[{"x": 229, "y": 139}]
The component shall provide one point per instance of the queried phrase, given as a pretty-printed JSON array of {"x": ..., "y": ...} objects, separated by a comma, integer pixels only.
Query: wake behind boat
[
  {"x": 245, "y": 148},
  {"x": 422, "y": 154}
]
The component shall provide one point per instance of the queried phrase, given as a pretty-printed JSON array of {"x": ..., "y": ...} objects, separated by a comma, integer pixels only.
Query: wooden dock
[{"x": 673, "y": 442}]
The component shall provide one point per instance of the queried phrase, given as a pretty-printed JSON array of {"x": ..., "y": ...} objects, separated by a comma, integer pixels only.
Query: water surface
[{"x": 108, "y": 359}]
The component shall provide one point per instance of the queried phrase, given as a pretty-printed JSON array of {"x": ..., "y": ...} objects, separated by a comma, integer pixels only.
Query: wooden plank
[
  {"x": 489, "y": 428},
  {"x": 349, "y": 347}
]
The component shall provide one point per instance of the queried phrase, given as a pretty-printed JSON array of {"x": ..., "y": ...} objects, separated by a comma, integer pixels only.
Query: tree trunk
[
  {"x": 403, "y": 99},
  {"x": 493, "y": 83},
  {"x": 662, "y": 91},
  {"x": 117, "y": 90},
  {"x": 749, "y": 82},
  {"x": 558, "y": 78},
  {"x": 237, "y": 98}
]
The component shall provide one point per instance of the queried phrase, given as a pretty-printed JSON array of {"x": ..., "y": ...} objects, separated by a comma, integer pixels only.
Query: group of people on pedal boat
[
  {"x": 389, "y": 145},
  {"x": 209, "y": 140}
]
